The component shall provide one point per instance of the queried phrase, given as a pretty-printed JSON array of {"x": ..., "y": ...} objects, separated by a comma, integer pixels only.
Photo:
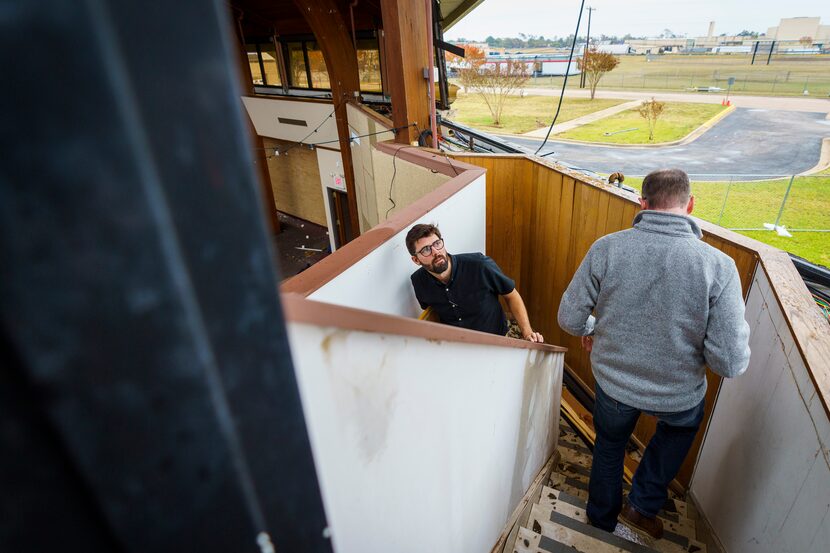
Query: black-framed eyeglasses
[{"x": 426, "y": 251}]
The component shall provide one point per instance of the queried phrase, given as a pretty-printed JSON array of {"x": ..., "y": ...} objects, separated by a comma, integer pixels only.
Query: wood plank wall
[{"x": 540, "y": 224}]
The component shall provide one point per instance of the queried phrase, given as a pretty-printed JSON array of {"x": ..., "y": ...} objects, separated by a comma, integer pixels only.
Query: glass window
[
  {"x": 253, "y": 62},
  {"x": 269, "y": 62},
  {"x": 368, "y": 65},
  {"x": 296, "y": 64},
  {"x": 319, "y": 73}
]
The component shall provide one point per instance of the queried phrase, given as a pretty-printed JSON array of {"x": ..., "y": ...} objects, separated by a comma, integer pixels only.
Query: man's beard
[{"x": 439, "y": 264}]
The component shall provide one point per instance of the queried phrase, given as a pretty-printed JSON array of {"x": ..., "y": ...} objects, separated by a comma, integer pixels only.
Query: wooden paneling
[
  {"x": 405, "y": 45},
  {"x": 540, "y": 224}
]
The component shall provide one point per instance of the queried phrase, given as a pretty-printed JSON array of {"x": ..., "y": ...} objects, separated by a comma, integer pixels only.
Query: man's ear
[
  {"x": 415, "y": 260},
  {"x": 691, "y": 205},
  {"x": 643, "y": 203}
]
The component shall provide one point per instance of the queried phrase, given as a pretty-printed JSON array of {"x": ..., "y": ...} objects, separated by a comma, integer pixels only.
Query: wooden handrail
[{"x": 300, "y": 309}]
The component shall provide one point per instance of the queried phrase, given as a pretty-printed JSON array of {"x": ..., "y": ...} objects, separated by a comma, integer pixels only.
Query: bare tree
[
  {"x": 469, "y": 66},
  {"x": 596, "y": 64},
  {"x": 496, "y": 82},
  {"x": 651, "y": 110}
]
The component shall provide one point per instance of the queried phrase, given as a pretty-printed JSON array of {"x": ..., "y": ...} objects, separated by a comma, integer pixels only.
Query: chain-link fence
[
  {"x": 784, "y": 76},
  {"x": 791, "y": 212},
  {"x": 789, "y": 203},
  {"x": 777, "y": 83}
]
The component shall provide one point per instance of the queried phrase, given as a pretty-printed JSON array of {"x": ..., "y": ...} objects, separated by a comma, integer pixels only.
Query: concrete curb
[
  {"x": 691, "y": 137},
  {"x": 823, "y": 159}
]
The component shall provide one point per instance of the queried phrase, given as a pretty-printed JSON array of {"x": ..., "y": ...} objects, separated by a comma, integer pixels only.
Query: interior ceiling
[{"x": 264, "y": 17}]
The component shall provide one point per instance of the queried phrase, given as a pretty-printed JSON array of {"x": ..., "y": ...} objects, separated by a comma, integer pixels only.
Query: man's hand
[
  {"x": 587, "y": 343},
  {"x": 533, "y": 336}
]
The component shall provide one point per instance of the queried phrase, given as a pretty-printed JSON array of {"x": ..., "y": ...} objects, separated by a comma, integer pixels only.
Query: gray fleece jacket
[{"x": 666, "y": 305}]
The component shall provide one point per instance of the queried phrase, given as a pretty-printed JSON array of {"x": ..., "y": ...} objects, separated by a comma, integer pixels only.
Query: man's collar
[{"x": 666, "y": 223}]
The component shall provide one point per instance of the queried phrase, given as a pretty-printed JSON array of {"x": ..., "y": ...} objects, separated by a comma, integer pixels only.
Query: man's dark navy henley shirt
[{"x": 471, "y": 298}]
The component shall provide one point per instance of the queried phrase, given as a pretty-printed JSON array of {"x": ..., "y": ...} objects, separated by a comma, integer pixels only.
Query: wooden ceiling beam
[{"x": 333, "y": 35}]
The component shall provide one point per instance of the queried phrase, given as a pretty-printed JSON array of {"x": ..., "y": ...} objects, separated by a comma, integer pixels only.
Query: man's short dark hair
[
  {"x": 666, "y": 188},
  {"x": 417, "y": 232}
]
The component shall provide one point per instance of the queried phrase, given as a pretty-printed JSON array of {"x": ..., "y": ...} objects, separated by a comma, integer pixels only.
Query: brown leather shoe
[{"x": 631, "y": 517}]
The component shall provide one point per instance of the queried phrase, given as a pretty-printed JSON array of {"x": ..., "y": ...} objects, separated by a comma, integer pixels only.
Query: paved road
[
  {"x": 784, "y": 103},
  {"x": 746, "y": 142}
]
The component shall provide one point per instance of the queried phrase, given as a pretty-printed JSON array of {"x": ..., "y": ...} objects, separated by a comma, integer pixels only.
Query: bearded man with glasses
[{"x": 464, "y": 289}]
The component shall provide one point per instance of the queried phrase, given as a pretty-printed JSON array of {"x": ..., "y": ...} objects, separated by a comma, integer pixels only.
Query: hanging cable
[
  {"x": 392, "y": 182},
  {"x": 351, "y": 138},
  {"x": 317, "y": 128},
  {"x": 565, "y": 83}
]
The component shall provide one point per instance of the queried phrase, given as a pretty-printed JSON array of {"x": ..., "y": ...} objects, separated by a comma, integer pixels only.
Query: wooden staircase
[{"x": 557, "y": 522}]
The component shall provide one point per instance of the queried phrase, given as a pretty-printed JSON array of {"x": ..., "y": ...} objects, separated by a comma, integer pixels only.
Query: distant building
[
  {"x": 659, "y": 45},
  {"x": 616, "y": 49},
  {"x": 795, "y": 28}
]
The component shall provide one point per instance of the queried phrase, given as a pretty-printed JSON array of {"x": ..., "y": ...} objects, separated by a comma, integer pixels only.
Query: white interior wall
[
  {"x": 423, "y": 445},
  {"x": 380, "y": 281},
  {"x": 264, "y": 113},
  {"x": 763, "y": 474},
  {"x": 330, "y": 164},
  {"x": 360, "y": 124}
]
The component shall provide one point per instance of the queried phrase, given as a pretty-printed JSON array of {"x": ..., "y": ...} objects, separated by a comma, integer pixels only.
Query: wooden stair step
[
  {"x": 573, "y": 441},
  {"x": 578, "y": 485},
  {"x": 670, "y": 543},
  {"x": 577, "y": 536},
  {"x": 527, "y": 541},
  {"x": 574, "y": 507},
  {"x": 581, "y": 473}
]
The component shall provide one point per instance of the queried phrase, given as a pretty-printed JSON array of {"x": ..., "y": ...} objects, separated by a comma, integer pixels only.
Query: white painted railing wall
[
  {"x": 380, "y": 281},
  {"x": 423, "y": 445},
  {"x": 763, "y": 474}
]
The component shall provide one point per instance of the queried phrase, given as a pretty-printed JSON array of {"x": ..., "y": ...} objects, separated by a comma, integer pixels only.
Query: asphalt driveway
[{"x": 756, "y": 142}]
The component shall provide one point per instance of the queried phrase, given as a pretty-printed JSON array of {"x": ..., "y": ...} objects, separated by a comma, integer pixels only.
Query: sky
[{"x": 508, "y": 18}]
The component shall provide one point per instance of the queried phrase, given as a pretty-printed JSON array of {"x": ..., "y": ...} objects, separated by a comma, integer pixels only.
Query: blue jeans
[{"x": 614, "y": 422}]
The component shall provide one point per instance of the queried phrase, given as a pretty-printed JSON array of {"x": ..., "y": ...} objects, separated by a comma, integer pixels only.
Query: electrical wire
[
  {"x": 565, "y": 82},
  {"x": 450, "y": 162},
  {"x": 392, "y": 130},
  {"x": 823, "y": 305},
  {"x": 317, "y": 128},
  {"x": 394, "y": 173}
]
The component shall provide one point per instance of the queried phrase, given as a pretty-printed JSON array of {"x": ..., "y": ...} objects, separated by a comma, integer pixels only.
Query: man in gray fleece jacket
[{"x": 666, "y": 305}]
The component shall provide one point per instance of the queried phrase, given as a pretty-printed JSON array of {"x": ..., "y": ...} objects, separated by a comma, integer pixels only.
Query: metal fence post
[
  {"x": 784, "y": 201},
  {"x": 725, "y": 198}
]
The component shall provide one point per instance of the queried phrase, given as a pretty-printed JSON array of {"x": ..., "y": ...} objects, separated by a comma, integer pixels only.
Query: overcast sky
[{"x": 503, "y": 18}]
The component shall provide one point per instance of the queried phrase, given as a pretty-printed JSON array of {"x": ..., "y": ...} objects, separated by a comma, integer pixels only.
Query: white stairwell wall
[
  {"x": 421, "y": 444},
  {"x": 763, "y": 474}
]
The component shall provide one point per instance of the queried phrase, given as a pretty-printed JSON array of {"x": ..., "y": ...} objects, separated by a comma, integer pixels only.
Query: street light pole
[{"x": 585, "y": 52}]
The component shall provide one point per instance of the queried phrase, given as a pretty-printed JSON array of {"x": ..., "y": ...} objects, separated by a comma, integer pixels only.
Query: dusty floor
[{"x": 300, "y": 245}]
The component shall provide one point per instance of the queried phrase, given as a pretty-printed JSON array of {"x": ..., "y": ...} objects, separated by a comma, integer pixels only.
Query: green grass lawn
[
  {"x": 751, "y": 204},
  {"x": 677, "y": 120},
  {"x": 525, "y": 114},
  {"x": 785, "y": 75}
]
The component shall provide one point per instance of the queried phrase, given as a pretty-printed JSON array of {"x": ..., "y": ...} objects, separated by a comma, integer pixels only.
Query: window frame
[{"x": 281, "y": 48}]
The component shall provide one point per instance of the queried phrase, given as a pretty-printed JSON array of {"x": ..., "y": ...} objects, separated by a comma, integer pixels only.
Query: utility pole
[{"x": 585, "y": 52}]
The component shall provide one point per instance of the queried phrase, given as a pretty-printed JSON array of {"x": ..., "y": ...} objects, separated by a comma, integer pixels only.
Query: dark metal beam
[{"x": 144, "y": 351}]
